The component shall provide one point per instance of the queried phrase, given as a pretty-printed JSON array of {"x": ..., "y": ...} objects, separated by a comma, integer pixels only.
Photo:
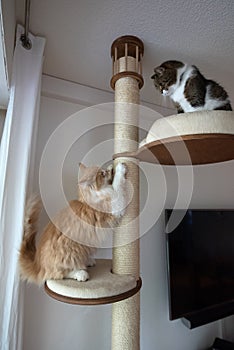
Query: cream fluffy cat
[{"x": 102, "y": 201}]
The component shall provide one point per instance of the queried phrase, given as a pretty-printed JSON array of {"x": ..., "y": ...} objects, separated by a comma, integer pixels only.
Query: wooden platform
[
  {"x": 195, "y": 149},
  {"x": 103, "y": 287}
]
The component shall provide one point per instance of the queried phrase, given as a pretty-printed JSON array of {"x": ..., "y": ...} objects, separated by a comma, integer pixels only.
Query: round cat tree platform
[
  {"x": 194, "y": 138},
  {"x": 104, "y": 287}
]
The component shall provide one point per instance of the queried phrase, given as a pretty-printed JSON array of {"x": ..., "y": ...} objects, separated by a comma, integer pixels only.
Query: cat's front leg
[
  {"x": 120, "y": 176},
  {"x": 179, "y": 108},
  {"x": 91, "y": 262},
  {"x": 119, "y": 201}
]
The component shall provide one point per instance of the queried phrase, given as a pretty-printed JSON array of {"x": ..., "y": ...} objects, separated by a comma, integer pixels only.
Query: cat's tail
[{"x": 29, "y": 267}]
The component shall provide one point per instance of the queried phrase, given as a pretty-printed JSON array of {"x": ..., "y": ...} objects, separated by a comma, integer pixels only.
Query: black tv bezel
[{"x": 206, "y": 314}]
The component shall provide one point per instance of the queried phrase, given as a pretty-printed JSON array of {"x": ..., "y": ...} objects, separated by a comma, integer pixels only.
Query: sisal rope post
[{"x": 126, "y": 54}]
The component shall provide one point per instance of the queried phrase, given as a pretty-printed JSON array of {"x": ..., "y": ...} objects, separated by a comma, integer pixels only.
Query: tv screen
[{"x": 200, "y": 260}]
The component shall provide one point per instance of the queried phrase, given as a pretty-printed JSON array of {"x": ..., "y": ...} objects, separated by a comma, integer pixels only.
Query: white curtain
[{"x": 17, "y": 145}]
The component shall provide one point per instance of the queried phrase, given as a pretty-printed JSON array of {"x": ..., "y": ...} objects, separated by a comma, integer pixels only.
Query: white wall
[{"x": 51, "y": 325}]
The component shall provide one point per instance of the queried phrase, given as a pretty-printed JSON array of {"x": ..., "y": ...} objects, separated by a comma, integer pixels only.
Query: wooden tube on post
[{"x": 127, "y": 52}]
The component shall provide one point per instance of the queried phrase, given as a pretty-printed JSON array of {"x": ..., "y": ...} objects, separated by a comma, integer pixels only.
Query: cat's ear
[
  {"x": 159, "y": 71},
  {"x": 81, "y": 170},
  {"x": 82, "y": 166}
]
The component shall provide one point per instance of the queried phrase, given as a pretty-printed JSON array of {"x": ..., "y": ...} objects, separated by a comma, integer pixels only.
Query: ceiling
[{"x": 79, "y": 34}]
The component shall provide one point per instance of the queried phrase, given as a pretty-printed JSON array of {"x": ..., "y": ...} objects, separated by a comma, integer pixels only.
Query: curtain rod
[{"x": 26, "y": 42}]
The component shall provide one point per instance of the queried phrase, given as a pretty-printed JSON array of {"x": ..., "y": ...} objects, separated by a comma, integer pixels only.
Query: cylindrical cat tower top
[{"x": 127, "y": 52}]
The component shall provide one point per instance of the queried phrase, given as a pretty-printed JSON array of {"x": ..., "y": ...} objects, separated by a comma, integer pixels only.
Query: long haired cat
[
  {"x": 59, "y": 253},
  {"x": 188, "y": 88}
]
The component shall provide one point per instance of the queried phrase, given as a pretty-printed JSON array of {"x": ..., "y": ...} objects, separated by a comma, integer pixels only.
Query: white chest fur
[{"x": 178, "y": 94}]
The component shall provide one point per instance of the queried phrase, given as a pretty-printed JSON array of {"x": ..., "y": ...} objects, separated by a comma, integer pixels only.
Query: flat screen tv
[{"x": 200, "y": 265}]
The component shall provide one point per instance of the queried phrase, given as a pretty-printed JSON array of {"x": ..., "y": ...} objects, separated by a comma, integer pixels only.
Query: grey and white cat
[{"x": 188, "y": 88}]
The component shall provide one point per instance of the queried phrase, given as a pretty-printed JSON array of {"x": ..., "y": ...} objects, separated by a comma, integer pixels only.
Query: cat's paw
[
  {"x": 82, "y": 276},
  {"x": 110, "y": 172},
  {"x": 110, "y": 168},
  {"x": 121, "y": 168},
  {"x": 91, "y": 262},
  {"x": 79, "y": 275}
]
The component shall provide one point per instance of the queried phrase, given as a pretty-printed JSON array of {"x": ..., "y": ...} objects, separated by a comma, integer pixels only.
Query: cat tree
[
  {"x": 185, "y": 139},
  {"x": 118, "y": 281}
]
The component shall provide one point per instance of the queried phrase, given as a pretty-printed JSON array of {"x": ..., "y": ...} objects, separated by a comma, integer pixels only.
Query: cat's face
[
  {"x": 94, "y": 177},
  {"x": 165, "y": 76}
]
